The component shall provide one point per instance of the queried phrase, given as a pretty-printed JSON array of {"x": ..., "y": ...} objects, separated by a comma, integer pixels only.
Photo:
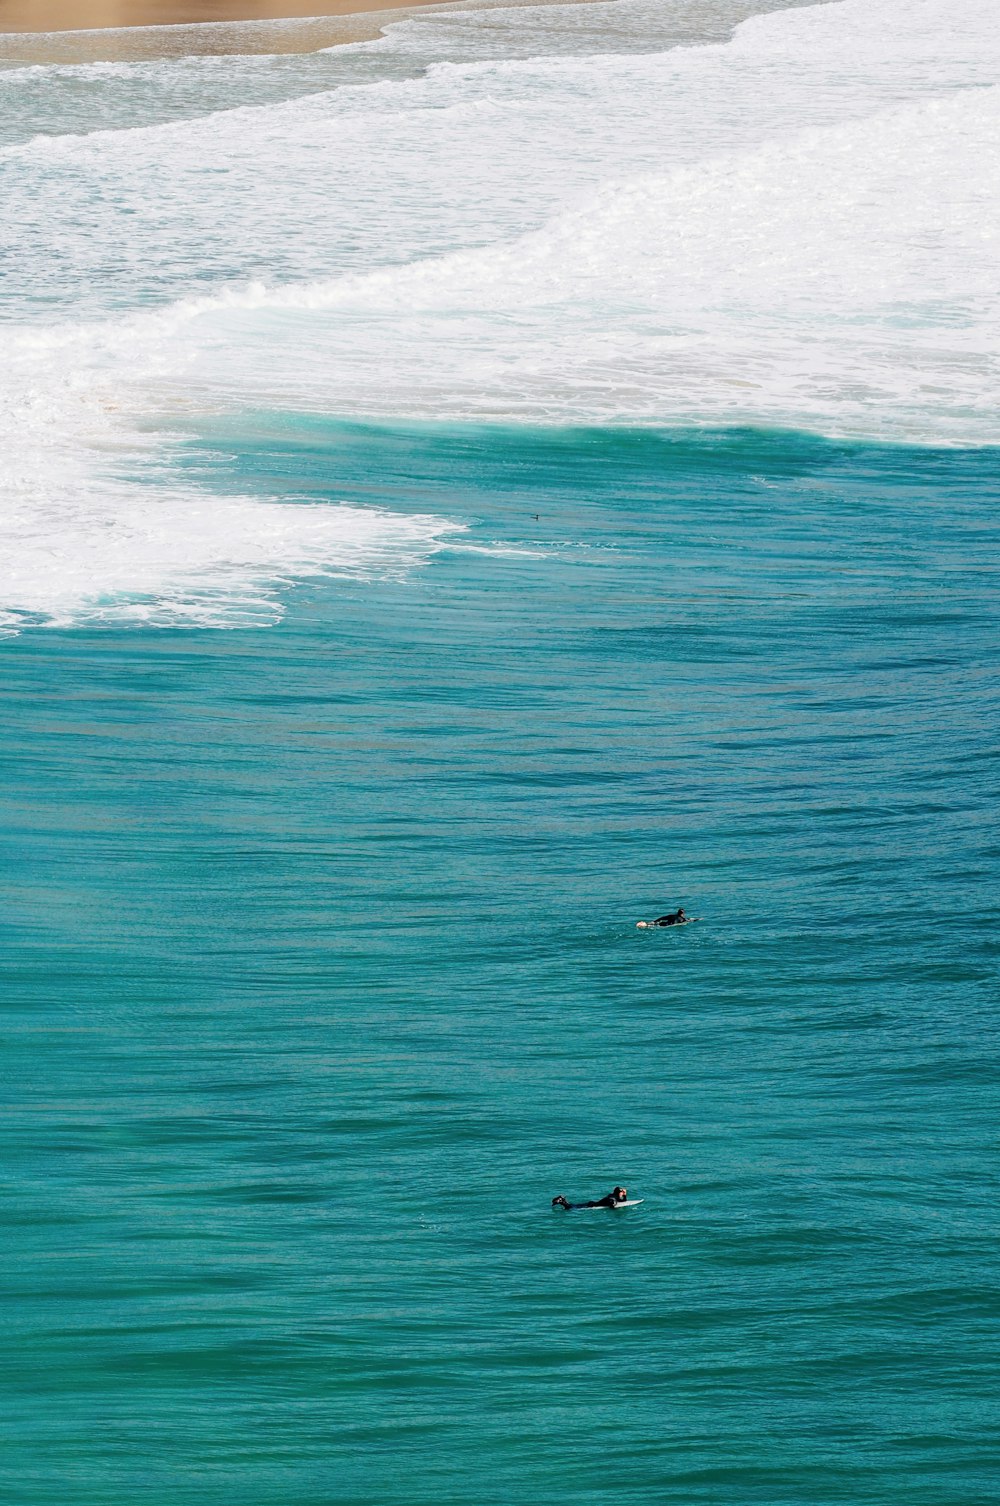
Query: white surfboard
[
  {"x": 631, "y": 1202},
  {"x": 650, "y": 925}
]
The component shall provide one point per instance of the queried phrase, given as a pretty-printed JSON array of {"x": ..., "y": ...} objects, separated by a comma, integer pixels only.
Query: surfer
[
  {"x": 676, "y": 918},
  {"x": 618, "y": 1195}
]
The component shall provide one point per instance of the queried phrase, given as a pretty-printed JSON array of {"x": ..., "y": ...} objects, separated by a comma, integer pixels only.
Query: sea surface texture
[{"x": 463, "y": 494}]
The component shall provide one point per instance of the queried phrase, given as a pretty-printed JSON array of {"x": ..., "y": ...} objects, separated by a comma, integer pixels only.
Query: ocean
[{"x": 463, "y": 494}]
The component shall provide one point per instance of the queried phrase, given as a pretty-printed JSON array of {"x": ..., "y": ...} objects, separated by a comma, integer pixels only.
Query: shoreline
[
  {"x": 279, "y": 27},
  {"x": 134, "y": 31}
]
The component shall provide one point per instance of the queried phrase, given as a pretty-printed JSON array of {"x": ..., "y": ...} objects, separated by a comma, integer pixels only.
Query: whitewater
[{"x": 795, "y": 226}]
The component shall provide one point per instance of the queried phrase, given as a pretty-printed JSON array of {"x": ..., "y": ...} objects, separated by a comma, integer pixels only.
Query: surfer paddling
[
  {"x": 675, "y": 918},
  {"x": 613, "y": 1200}
]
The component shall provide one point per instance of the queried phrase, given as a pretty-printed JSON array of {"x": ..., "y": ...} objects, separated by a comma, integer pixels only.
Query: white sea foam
[
  {"x": 798, "y": 227},
  {"x": 79, "y": 542},
  {"x": 844, "y": 281}
]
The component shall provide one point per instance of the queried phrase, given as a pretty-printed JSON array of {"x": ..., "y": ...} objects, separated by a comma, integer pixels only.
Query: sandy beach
[
  {"x": 86, "y": 31},
  {"x": 88, "y": 15}
]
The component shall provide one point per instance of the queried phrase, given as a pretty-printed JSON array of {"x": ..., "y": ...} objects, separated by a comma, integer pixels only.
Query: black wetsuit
[
  {"x": 677, "y": 919},
  {"x": 602, "y": 1202}
]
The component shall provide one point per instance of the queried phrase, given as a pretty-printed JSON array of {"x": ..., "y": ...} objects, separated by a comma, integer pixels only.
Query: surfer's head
[
  {"x": 621, "y": 1193},
  {"x": 559, "y": 1202},
  {"x": 680, "y": 914}
]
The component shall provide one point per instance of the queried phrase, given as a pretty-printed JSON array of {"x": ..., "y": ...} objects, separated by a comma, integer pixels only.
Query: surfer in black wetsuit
[
  {"x": 612, "y": 1200},
  {"x": 675, "y": 918}
]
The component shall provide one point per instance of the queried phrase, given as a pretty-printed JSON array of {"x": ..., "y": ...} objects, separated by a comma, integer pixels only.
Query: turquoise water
[
  {"x": 321, "y": 978},
  {"x": 420, "y": 559}
]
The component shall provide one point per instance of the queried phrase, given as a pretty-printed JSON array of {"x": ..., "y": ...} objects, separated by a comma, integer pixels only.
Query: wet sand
[
  {"x": 89, "y": 15},
  {"x": 85, "y": 31}
]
